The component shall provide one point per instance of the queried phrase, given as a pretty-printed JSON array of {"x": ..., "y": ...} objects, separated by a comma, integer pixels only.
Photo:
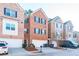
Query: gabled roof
[
  {"x": 19, "y": 6},
  {"x": 40, "y": 9},
  {"x": 57, "y": 18},
  {"x": 76, "y": 32},
  {"x": 68, "y": 22},
  {"x": 50, "y": 20}
]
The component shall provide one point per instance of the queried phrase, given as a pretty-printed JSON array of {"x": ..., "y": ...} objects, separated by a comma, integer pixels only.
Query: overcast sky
[{"x": 65, "y": 11}]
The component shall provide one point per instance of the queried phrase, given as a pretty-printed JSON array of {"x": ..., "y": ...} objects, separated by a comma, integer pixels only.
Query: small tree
[{"x": 28, "y": 12}]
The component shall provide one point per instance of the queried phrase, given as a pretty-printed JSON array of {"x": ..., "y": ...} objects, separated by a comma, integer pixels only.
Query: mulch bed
[{"x": 31, "y": 49}]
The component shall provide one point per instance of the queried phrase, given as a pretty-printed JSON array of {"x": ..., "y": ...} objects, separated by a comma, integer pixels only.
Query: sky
[{"x": 67, "y": 11}]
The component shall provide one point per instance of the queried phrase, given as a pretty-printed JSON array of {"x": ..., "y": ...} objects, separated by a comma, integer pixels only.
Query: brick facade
[
  {"x": 19, "y": 19},
  {"x": 31, "y": 25}
]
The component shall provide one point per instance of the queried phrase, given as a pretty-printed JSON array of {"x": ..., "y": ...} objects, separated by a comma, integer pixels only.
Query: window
[
  {"x": 69, "y": 35},
  {"x": 26, "y": 30},
  {"x": 69, "y": 28},
  {"x": 56, "y": 34},
  {"x": 6, "y": 12},
  {"x": 9, "y": 12},
  {"x": 39, "y": 19},
  {"x": 61, "y": 26},
  {"x": 7, "y": 26},
  {"x": 36, "y": 19},
  {"x": 43, "y": 21},
  {"x": 2, "y": 44},
  {"x": 39, "y": 31},
  {"x": 12, "y": 27},
  {"x": 43, "y": 31},
  {"x": 36, "y": 30},
  {"x": 13, "y": 13},
  {"x": 56, "y": 25},
  {"x": 26, "y": 21}
]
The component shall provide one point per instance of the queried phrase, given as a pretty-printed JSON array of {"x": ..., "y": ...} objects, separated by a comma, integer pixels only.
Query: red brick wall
[
  {"x": 33, "y": 25},
  {"x": 41, "y": 26},
  {"x": 20, "y": 18}
]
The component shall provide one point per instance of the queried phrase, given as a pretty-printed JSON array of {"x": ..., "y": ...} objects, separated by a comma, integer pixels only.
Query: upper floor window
[
  {"x": 58, "y": 34},
  {"x": 39, "y": 20},
  {"x": 36, "y": 19},
  {"x": 43, "y": 21},
  {"x": 69, "y": 28},
  {"x": 26, "y": 21},
  {"x": 9, "y": 12},
  {"x": 61, "y": 26},
  {"x": 36, "y": 30},
  {"x": 56, "y": 25},
  {"x": 69, "y": 35},
  {"x": 43, "y": 31}
]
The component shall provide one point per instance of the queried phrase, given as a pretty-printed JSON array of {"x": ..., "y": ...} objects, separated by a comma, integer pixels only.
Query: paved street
[
  {"x": 61, "y": 52},
  {"x": 46, "y": 52},
  {"x": 17, "y": 52}
]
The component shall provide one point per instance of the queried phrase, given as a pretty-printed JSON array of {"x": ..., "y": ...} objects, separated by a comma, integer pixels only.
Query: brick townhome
[
  {"x": 55, "y": 30},
  {"x": 76, "y": 36},
  {"x": 69, "y": 33},
  {"x": 36, "y": 28},
  {"x": 68, "y": 30},
  {"x": 11, "y": 24}
]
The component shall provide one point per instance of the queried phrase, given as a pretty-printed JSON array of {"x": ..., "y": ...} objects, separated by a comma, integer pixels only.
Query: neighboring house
[
  {"x": 68, "y": 30},
  {"x": 11, "y": 24},
  {"x": 36, "y": 28},
  {"x": 76, "y": 36},
  {"x": 55, "y": 29}
]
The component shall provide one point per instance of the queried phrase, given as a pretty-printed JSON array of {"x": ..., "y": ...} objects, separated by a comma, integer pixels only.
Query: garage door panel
[{"x": 13, "y": 43}]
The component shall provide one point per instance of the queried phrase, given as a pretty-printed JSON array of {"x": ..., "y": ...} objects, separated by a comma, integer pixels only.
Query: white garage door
[
  {"x": 55, "y": 43},
  {"x": 38, "y": 43},
  {"x": 13, "y": 43}
]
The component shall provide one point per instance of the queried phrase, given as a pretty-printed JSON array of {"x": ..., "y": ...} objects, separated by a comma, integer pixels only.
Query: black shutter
[
  {"x": 41, "y": 31},
  {"x": 45, "y": 21},
  {"x": 4, "y": 11},
  {"x": 34, "y": 18},
  {"x": 34, "y": 30},
  {"x": 16, "y": 14}
]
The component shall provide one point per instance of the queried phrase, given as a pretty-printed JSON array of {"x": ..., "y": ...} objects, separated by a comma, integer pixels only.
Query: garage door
[
  {"x": 13, "y": 43},
  {"x": 55, "y": 43},
  {"x": 38, "y": 43}
]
